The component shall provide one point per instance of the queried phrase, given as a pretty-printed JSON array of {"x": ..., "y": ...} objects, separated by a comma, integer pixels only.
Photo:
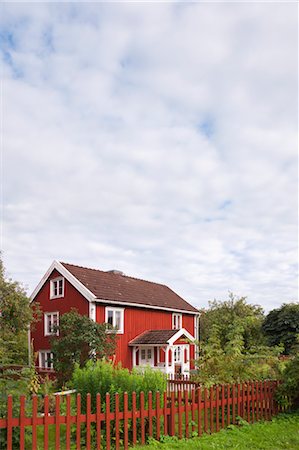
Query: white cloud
[{"x": 159, "y": 139}]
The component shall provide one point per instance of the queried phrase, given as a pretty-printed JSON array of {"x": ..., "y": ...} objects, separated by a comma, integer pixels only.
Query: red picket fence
[{"x": 106, "y": 425}]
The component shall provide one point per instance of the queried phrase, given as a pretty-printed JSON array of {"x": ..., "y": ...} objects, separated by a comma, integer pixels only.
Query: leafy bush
[
  {"x": 288, "y": 391},
  {"x": 102, "y": 377},
  {"x": 233, "y": 363}
]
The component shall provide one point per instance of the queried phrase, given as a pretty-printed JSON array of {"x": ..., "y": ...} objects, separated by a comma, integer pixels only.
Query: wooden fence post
[
  {"x": 9, "y": 421},
  {"x": 116, "y": 401}
]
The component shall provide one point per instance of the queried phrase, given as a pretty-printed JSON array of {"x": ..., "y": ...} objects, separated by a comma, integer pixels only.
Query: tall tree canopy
[
  {"x": 80, "y": 339},
  {"x": 16, "y": 315},
  {"x": 281, "y": 325},
  {"x": 229, "y": 315}
]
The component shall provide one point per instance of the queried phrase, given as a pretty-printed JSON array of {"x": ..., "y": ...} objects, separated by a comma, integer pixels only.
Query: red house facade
[{"x": 155, "y": 326}]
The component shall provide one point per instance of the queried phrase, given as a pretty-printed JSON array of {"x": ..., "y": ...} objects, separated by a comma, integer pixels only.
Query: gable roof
[
  {"x": 160, "y": 337},
  {"x": 114, "y": 287}
]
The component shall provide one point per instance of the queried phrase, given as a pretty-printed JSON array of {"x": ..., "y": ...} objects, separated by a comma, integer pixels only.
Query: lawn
[{"x": 281, "y": 433}]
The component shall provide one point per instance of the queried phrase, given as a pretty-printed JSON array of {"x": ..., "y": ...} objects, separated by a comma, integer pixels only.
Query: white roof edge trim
[
  {"x": 68, "y": 276},
  {"x": 180, "y": 333},
  {"x": 143, "y": 305}
]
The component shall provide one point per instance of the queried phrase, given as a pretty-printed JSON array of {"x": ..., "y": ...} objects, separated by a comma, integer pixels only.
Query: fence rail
[{"x": 119, "y": 421}]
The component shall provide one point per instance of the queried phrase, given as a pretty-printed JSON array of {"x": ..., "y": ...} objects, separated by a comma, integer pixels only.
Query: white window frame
[
  {"x": 52, "y": 287},
  {"x": 177, "y": 317},
  {"x": 122, "y": 314},
  {"x": 40, "y": 356},
  {"x": 49, "y": 316}
]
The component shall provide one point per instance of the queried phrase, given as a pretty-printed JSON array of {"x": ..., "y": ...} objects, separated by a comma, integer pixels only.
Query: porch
[{"x": 164, "y": 350}]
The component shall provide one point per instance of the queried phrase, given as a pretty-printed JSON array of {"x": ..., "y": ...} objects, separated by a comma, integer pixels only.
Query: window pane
[
  {"x": 117, "y": 319},
  {"x": 143, "y": 354},
  {"x": 149, "y": 354},
  {"x": 110, "y": 317},
  {"x": 55, "y": 288},
  {"x": 60, "y": 286}
]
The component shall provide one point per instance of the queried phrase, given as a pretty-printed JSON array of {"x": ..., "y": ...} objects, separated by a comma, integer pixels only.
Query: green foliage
[
  {"x": 281, "y": 325},
  {"x": 15, "y": 318},
  {"x": 102, "y": 377},
  {"x": 233, "y": 363},
  {"x": 80, "y": 339},
  {"x": 234, "y": 313},
  {"x": 279, "y": 434},
  {"x": 288, "y": 391}
]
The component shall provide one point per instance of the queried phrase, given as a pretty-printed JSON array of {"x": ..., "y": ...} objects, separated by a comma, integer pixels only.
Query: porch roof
[{"x": 155, "y": 337}]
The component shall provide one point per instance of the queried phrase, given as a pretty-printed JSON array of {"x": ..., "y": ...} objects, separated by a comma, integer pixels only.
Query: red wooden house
[{"x": 156, "y": 327}]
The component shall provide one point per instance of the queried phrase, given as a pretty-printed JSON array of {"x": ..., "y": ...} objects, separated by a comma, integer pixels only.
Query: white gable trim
[
  {"x": 68, "y": 276},
  {"x": 181, "y": 332}
]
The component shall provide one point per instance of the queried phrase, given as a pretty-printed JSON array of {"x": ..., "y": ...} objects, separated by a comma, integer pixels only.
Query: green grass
[{"x": 281, "y": 433}]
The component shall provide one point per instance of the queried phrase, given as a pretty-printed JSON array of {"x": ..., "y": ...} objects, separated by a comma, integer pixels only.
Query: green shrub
[
  {"x": 288, "y": 391},
  {"x": 102, "y": 377}
]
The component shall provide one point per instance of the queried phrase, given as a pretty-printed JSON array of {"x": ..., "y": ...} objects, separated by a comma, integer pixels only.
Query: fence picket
[
  {"x": 158, "y": 423},
  {"x": 222, "y": 406},
  {"x": 228, "y": 403},
  {"x": 199, "y": 408},
  {"x": 217, "y": 408},
  {"x": 165, "y": 414},
  {"x": 78, "y": 422},
  {"x": 22, "y": 420},
  {"x": 142, "y": 418},
  {"x": 68, "y": 421},
  {"x": 107, "y": 417},
  {"x": 234, "y": 403},
  {"x": 212, "y": 409},
  {"x": 205, "y": 411},
  {"x": 248, "y": 401},
  {"x": 193, "y": 411},
  {"x": 126, "y": 428},
  {"x": 180, "y": 432},
  {"x": 88, "y": 421},
  {"x": 57, "y": 422},
  {"x": 186, "y": 398},
  {"x": 34, "y": 422},
  {"x": 116, "y": 402},
  {"x": 46, "y": 422},
  {"x": 98, "y": 419},
  {"x": 134, "y": 429},
  {"x": 9, "y": 422},
  {"x": 150, "y": 413}
]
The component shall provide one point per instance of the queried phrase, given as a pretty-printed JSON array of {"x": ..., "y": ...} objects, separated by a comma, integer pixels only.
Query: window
[
  {"x": 115, "y": 318},
  {"x": 45, "y": 359},
  {"x": 51, "y": 320},
  {"x": 177, "y": 354},
  {"x": 176, "y": 321},
  {"x": 57, "y": 287}
]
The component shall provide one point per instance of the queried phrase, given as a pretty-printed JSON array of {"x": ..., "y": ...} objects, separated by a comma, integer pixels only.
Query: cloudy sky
[{"x": 157, "y": 139}]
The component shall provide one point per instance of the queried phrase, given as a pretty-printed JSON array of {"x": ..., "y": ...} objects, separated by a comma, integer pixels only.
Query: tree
[
  {"x": 16, "y": 314},
  {"x": 281, "y": 325},
  {"x": 80, "y": 339},
  {"x": 229, "y": 315}
]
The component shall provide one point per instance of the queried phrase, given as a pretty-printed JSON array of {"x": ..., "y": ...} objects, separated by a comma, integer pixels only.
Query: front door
[{"x": 146, "y": 356}]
